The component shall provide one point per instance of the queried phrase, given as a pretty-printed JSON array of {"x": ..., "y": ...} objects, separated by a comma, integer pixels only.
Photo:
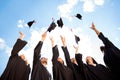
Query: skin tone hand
[
  {"x": 21, "y": 35},
  {"x": 94, "y": 28},
  {"x": 44, "y": 36},
  {"x": 52, "y": 41},
  {"x": 76, "y": 49},
  {"x": 63, "y": 41}
]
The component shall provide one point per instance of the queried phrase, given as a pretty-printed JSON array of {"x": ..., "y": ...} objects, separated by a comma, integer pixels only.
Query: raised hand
[
  {"x": 76, "y": 48},
  {"x": 21, "y": 35},
  {"x": 44, "y": 36},
  {"x": 63, "y": 40},
  {"x": 52, "y": 41},
  {"x": 93, "y": 26}
]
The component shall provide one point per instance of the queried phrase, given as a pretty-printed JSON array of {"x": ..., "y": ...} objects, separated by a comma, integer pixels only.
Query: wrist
[{"x": 42, "y": 39}]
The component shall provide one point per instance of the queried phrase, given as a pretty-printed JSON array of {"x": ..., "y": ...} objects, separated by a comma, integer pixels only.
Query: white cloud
[
  {"x": 117, "y": 39},
  {"x": 21, "y": 24},
  {"x": 66, "y": 9},
  {"x": 2, "y": 44},
  {"x": 99, "y": 2},
  {"x": 90, "y": 5}
]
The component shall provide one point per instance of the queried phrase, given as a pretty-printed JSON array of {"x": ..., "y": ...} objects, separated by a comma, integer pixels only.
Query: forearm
[
  {"x": 94, "y": 29},
  {"x": 55, "y": 53},
  {"x": 79, "y": 61},
  {"x": 97, "y": 31},
  {"x": 67, "y": 57},
  {"x": 20, "y": 44}
]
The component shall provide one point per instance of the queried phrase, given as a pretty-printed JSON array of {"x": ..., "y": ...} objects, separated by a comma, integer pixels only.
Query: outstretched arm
[
  {"x": 66, "y": 53},
  {"x": 55, "y": 51},
  {"x": 44, "y": 36},
  {"x": 39, "y": 45},
  {"x": 105, "y": 40},
  {"x": 18, "y": 45},
  {"x": 52, "y": 41},
  {"x": 78, "y": 58},
  {"x": 94, "y": 29},
  {"x": 37, "y": 49}
]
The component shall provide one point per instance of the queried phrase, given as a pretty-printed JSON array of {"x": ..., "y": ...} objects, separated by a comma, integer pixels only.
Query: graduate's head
[
  {"x": 102, "y": 48},
  {"x": 60, "y": 60},
  {"x": 22, "y": 56},
  {"x": 73, "y": 60},
  {"x": 90, "y": 60},
  {"x": 44, "y": 60}
]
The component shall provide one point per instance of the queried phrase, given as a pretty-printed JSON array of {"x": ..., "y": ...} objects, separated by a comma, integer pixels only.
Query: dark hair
[
  {"x": 102, "y": 48},
  {"x": 61, "y": 59},
  {"x": 43, "y": 60}
]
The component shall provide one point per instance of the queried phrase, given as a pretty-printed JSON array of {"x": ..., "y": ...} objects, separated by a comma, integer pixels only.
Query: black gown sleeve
[
  {"x": 18, "y": 46},
  {"x": 37, "y": 52},
  {"x": 105, "y": 40},
  {"x": 67, "y": 57},
  {"x": 110, "y": 46},
  {"x": 27, "y": 72},
  {"x": 86, "y": 73},
  {"x": 70, "y": 64},
  {"x": 55, "y": 54},
  {"x": 56, "y": 67},
  {"x": 80, "y": 62}
]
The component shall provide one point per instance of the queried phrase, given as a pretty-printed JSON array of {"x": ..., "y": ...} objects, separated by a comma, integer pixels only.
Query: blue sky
[{"x": 14, "y": 14}]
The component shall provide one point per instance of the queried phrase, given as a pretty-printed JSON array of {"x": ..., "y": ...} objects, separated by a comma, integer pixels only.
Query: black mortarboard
[
  {"x": 77, "y": 39},
  {"x": 51, "y": 27},
  {"x": 30, "y": 23},
  {"x": 60, "y": 23},
  {"x": 79, "y": 16}
]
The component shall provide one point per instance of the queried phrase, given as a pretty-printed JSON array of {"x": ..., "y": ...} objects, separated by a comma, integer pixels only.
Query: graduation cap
[
  {"x": 30, "y": 23},
  {"x": 77, "y": 39},
  {"x": 79, "y": 16},
  {"x": 51, "y": 27},
  {"x": 60, "y": 23}
]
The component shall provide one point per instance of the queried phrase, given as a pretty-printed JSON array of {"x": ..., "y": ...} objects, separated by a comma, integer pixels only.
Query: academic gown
[
  {"x": 27, "y": 72},
  {"x": 111, "y": 56},
  {"x": 39, "y": 72},
  {"x": 90, "y": 72},
  {"x": 72, "y": 66},
  {"x": 60, "y": 71},
  {"x": 16, "y": 68}
]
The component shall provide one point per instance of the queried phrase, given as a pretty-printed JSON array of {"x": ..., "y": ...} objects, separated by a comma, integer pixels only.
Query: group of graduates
[{"x": 75, "y": 69}]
